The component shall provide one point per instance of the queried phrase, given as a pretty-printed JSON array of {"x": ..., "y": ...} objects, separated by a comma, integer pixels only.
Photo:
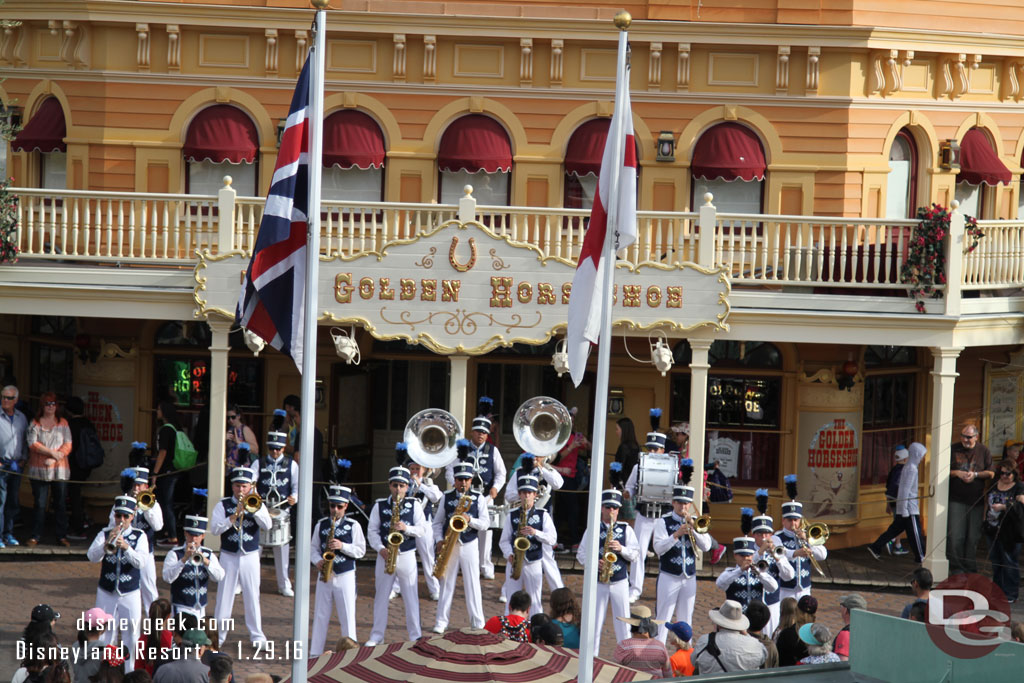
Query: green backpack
[{"x": 184, "y": 452}]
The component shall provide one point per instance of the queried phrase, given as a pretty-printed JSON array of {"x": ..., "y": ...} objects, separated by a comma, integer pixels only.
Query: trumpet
[
  {"x": 817, "y": 534},
  {"x": 195, "y": 555},
  {"x": 146, "y": 499},
  {"x": 250, "y": 503},
  {"x": 113, "y": 539}
]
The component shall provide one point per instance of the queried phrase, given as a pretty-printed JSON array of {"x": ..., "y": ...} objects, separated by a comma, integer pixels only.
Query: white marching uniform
[
  {"x": 405, "y": 570},
  {"x": 643, "y": 527},
  {"x": 676, "y": 592},
  {"x": 553, "y": 478},
  {"x": 175, "y": 562},
  {"x": 801, "y": 583},
  {"x": 282, "y": 553},
  {"x": 240, "y": 568},
  {"x": 340, "y": 591},
  {"x": 531, "y": 578},
  {"x": 782, "y": 570},
  {"x": 155, "y": 519},
  {"x": 616, "y": 591},
  {"x": 484, "y": 540},
  {"x": 425, "y": 543},
  {"x": 746, "y": 585},
  {"x": 465, "y": 558},
  {"x": 126, "y": 608}
]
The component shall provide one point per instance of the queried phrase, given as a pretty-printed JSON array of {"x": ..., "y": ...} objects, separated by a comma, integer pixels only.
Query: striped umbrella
[{"x": 466, "y": 656}]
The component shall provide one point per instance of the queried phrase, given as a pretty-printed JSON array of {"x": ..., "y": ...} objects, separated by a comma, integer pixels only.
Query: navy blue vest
[
  {"x": 275, "y": 475},
  {"x": 229, "y": 540},
  {"x": 536, "y": 520},
  {"x": 407, "y": 513},
  {"x": 342, "y": 532},
  {"x": 621, "y": 570},
  {"x": 117, "y": 575},
  {"x": 776, "y": 595},
  {"x": 450, "y": 502},
  {"x": 485, "y": 465},
  {"x": 140, "y": 522},
  {"x": 745, "y": 588},
  {"x": 801, "y": 565},
  {"x": 189, "y": 589},
  {"x": 679, "y": 559}
]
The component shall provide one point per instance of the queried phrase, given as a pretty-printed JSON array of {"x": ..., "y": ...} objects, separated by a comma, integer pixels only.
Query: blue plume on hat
[
  {"x": 790, "y": 480},
  {"x": 462, "y": 447},
  {"x": 136, "y": 445},
  {"x": 277, "y": 421},
  {"x": 201, "y": 492},
  {"x": 762, "y": 500},
  {"x": 686, "y": 469},
  {"x": 127, "y": 479},
  {"x": 244, "y": 446},
  {"x": 137, "y": 455},
  {"x": 199, "y": 497},
  {"x": 280, "y": 412},
  {"x": 341, "y": 470},
  {"x": 746, "y": 520},
  {"x": 484, "y": 406},
  {"x": 344, "y": 463},
  {"x": 655, "y": 418},
  {"x": 401, "y": 453},
  {"x": 615, "y": 467}
]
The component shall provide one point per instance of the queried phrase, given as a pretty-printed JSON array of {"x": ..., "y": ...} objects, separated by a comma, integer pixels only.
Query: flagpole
[
  {"x": 315, "y": 117},
  {"x": 589, "y": 607}
]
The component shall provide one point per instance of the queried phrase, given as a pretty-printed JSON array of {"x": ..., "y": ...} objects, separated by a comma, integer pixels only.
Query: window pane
[
  {"x": 743, "y": 401},
  {"x": 353, "y": 184},
  {"x": 207, "y": 178},
  {"x": 580, "y": 191},
  {"x": 54, "y": 170},
  {"x": 897, "y": 190},
  {"x": 489, "y": 189},
  {"x": 757, "y": 461},
  {"x": 731, "y": 196},
  {"x": 51, "y": 371},
  {"x": 969, "y": 197},
  {"x": 888, "y": 417}
]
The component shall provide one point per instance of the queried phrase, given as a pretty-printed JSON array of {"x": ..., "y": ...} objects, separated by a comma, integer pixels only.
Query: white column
[
  {"x": 954, "y": 246},
  {"x": 459, "y": 365},
  {"x": 944, "y": 376},
  {"x": 226, "y": 217},
  {"x": 698, "y": 412},
  {"x": 219, "y": 349},
  {"x": 706, "y": 238}
]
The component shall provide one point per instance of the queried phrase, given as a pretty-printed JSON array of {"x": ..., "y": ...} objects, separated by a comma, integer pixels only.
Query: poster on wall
[
  {"x": 726, "y": 452},
  {"x": 828, "y": 458},
  {"x": 111, "y": 409}
]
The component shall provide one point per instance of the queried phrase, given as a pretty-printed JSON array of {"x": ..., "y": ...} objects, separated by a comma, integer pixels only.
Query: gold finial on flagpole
[
  {"x": 622, "y": 20},
  {"x": 319, "y": 4}
]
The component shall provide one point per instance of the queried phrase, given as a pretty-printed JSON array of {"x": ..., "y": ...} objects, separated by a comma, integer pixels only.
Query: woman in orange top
[
  {"x": 49, "y": 444},
  {"x": 680, "y": 636}
]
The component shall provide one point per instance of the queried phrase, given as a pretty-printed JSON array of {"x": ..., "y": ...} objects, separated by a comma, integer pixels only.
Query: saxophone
[
  {"x": 521, "y": 544},
  {"x": 395, "y": 538},
  {"x": 608, "y": 556},
  {"x": 456, "y": 525},
  {"x": 327, "y": 568}
]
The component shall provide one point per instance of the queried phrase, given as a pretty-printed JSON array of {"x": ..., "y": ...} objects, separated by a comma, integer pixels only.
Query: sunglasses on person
[
  {"x": 968, "y": 437},
  {"x": 50, "y": 403},
  {"x": 9, "y": 398},
  {"x": 337, "y": 506},
  {"x": 232, "y": 417},
  {"x": 1006, "y": 473}
]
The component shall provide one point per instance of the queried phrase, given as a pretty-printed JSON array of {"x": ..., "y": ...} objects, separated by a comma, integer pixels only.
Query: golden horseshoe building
[{"x": 784, "y": 147}]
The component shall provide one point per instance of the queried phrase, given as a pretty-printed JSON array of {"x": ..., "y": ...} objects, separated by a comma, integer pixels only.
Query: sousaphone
[
  {"x": 542, "y": 426},
  {"x": 430, "y": 437}
]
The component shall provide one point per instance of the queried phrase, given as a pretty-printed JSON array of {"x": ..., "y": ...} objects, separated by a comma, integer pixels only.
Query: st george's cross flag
[
  {"x": 271, "y": 304},
  {"x": 612, "y": 218}
]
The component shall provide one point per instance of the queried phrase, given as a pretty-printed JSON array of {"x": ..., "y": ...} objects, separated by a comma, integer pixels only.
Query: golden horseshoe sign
[{"x": 472, "y": 255}]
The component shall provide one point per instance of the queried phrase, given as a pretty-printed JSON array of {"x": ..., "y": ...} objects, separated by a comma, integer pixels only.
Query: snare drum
[
  {"x": 498, "y": 514},
  {"x": 280, "y": 531},
  {"x": 657, "y": 473}
]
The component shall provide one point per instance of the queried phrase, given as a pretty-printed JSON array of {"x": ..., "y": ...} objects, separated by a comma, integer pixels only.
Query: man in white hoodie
[{"x": 907, "y": 510}]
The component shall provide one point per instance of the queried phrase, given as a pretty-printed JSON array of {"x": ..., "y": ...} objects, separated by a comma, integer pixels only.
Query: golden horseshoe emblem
[{"x": 472, "y": 255}]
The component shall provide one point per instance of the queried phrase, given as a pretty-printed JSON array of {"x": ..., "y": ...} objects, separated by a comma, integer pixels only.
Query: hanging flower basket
[
  {"x": 8, "y": 223},
  {"x": 925, "y": 267}
]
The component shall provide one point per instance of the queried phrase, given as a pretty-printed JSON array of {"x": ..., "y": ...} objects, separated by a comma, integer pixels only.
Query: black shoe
[{"x": 874, "y": 554}]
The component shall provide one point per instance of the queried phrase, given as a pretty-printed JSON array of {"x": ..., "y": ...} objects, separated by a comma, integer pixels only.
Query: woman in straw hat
[{"x": 642, "y": 651}]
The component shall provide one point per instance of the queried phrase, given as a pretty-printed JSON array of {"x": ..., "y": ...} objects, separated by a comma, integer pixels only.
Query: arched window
[
  {"x": 979, "y": 166},
  {"x": 221, "y": 140},
  {"x": 583, "y": 157},
  {"x": 728, "y": 161},
  {"x": 353, "y": 157},
  {"x": 901, "y": 186},
  {"x": 475, "y": 150},
  {"x": 45, "y": 133}
]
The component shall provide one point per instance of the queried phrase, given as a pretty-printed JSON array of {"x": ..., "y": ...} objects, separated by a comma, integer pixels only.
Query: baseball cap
[
  {"x": 808, "y": 604},
  {"x": 44, "y": 613},
  {"x": 196, "y": 637},
  {"x": 853, "y": 601},
  {"x": 682, "y": 630},
  {"x": 96, "y": 617}
]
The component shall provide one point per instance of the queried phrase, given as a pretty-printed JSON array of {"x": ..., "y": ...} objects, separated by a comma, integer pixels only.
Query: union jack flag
[{"x": 272, "y": 299}]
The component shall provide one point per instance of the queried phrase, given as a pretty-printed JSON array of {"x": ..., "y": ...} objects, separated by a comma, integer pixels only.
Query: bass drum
[
  {"x": 657, "y": 473},
  {"x": 280, "y": 531}
]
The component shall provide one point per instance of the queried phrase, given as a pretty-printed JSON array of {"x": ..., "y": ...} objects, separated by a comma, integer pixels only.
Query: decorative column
[
  {"x": 698, "y": 412},
  {"x": 459, "y": 365},
  {"x": 944, "y": 376},
  {"x": 219, "y": 349}
]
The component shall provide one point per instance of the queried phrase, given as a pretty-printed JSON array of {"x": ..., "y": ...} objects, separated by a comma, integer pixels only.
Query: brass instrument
[
  {"x": 610, "y": 558},
  {"x": 456, "y": 525},
  {"x": 146, "y": 499},
  {"x": 395, "y": 539},
  {"x": 250, "y": 503},
  {"x": 520, "y": 545},
  {"x": 196, "y": 557},
  {"x": 430, "y": 437},
  {"x": 700, "y": 525},
  {"x": 762, "y": 566},
  {"x": 542, "y": 426},
  {"x": 112, "y": 539},
  {"x": 327, "y": 568},
  {"x": 817, "y": 534}
]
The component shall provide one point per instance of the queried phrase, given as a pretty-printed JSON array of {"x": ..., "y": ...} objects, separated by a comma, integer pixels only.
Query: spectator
[
  {"x": 681, "y": 437},
  {"x": 33, "y": 668},
  {"x": 86, "y": 455},
  {"x": 345, "y": 643},
  {"x": 680, "y": 639},
  {"x": 791, "y": 647},
  {"x": 817, "y": 638},
  {"x": 565, "y": 613},
  {"x": 163, "y": 476},
  {"x": 628, "y": 452},
  {"x": 570, "y": 462},
  {"x": 137, "y": 676},
  {"x": 970, "y": 471},
  {"x": 716, "y": 491},
  {"x": 642, "y": 651},
  {"x": 546, "y": 633},
  {"x": 921, "y": 584},
  {"x": 892, "y": 488},
  {"x": 154, "y": 645},
  {"x": 759, "y": 614},
  {"x": 220, "y": 670},
  {"x": 514, "y": 626},
  {"x": 85, "y": 657},
  {"x": 49, "y": 444},
  {"x": 841, "y": 645},
  {"x": 1011, "y": 451},
  {"x": 1004, "y": 524},
  {"x": 728, "y": 648},
  {"x": 787, "y": 615},
  {"x": 13, "y": 454},
  {"x": 908, "y": 517},
  {"x": 918, "y": 611},
  {"x": 1017, "y": 632},
  {"x": 213, "y": 649},
  {"x": 238, "y": 433},
  {"x": 184, "y": 665}
]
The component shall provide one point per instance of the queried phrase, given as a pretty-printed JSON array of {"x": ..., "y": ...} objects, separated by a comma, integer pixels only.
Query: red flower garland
[
  {"x": 8, "y": 223},
  {"x": 925, "y": 266}
]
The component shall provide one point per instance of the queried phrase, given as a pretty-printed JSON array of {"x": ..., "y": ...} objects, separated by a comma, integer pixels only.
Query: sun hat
[
  {"x": 815, "y": 634},
  {"x": 730, "y": 616},
  {"x": 637, "y": 614}
]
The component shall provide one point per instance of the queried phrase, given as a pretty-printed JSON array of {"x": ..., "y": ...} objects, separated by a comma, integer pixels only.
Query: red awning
[
  {"x": 728, "y": 151},
  {"x": 221, "y": 133},
  {"x": 979, "y": 163},
  {"x": 351, "y": 138},
  {"x": 475, "y": 143},
  {"x": 45, "y": 131},
  {"x": 586, "y": 146}
]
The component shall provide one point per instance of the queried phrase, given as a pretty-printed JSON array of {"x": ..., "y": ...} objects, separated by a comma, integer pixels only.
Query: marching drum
[
  {"x": 656, "y": 475},
  {"x": 280, "y": 531}
]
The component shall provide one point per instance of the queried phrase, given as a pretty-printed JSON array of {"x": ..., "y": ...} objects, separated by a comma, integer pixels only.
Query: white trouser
[
  {"x": 795, "y": 593},
  {"x": 341, "y": 593},
  {"x": 466, "y": 560},
  {"x": 127, "y": 611},
  {"x": 405, "y": 575},
  {"x": 550, "y": 567},
  {"x": 244, "y": 571},
  {"x": 148, "y": 584},
  {"x": 486, "y": 563},
  {"x": 773, "y": 620},
  {"x": 531, "y": 580},
  {"x": 282, "y": 556},
  {"x": 425, "y": 551},
  {"x": 617, "y": 594},
  {"x": 676, "y": 595},
  {"x": 643, "y": 527},
  {"x": 197, "y": 612}
]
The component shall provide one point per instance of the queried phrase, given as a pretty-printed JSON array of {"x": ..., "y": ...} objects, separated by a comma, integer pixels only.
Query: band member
[
  {"x": 744, "y": 582},
  {"x": 240, "y": 554},
  {"x": 278, "y": 485},
  {"x": 122, "y": 550},
  {"x": 429, "y": 494},
  {"x": 794, "y": 539},
  {"x": 189, "y": 568},
  {"x": 535, "y": 525},
  {"x": 465, "y": 555},
  {"x": 549, "y": 480},
  {"x": 148, "y": 520},
  {"x": 624, "y": 546},
  {"x": 490, "y": 475},
  {"x": 646, "y": 513},
  {"x": 343, "y": 537},
  {"x": 402, "y": 516},
  {"x": 674, "y": 539},
  {"x": 778, "y": 566}
]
